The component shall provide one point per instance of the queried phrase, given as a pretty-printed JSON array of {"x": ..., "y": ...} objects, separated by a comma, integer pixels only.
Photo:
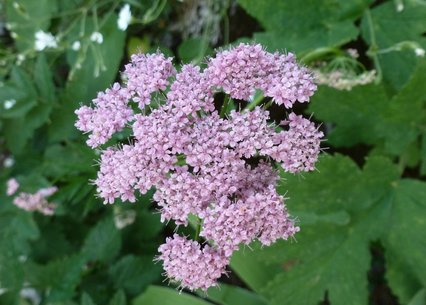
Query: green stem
[
  {"x": 225, "y": 106},
  {"x": 268, "y": 104},
  {"x": 401, "y": 164},
  {"x": 225, "y": 18},
  {"x": 197, "y": 230},
  {"x": 372, "y": 52},
  {"x": 255, "y": 102},
  {"x": 319, "y": 53}
]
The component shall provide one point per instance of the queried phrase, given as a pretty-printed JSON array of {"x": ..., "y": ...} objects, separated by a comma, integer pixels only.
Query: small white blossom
[
  {"x": 76, "y": 45},
  {"x": 22, "y": 258},
  {"x": 20, "y": 58},
  {"x": 419, "y": 52},
  {"x": 352, "y": 53},
  {"x": 9, "y": 104},
  {"x": 124, "y": 17},
  {"x": 8, "y": 162},
  {"x": 343, "y": 80},
  {"x": 3, "y": 290},
  {"x": 31, "y": 294},
  {"x": 399, "y": 7},
  {"x": 97, "y": 37},
  {"x": 45, "y": 40},
  {"x": 123, "y": 219}
]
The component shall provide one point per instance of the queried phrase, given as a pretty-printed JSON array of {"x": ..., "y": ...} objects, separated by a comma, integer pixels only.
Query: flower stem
[
  {"x": 197, "y": 230},
  {"x": 268, "y": 104},
  {"x": 255, "y": 102},
  {"x": 225, "y": 106},
  {"x": 320, "y": 53},
  {"x": 372, "y": 52}
]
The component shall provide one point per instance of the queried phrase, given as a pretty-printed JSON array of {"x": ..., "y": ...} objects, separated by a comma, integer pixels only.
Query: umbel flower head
[{"x": 218, "y": 167}]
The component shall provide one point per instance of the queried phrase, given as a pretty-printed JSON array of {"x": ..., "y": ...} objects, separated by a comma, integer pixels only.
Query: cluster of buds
[{"x": 220, "y": 168}]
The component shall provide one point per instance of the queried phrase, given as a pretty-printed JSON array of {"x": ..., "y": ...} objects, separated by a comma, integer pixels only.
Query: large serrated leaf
[
  {"x": 58, "y": 278},
  {"x": 168, "y": 296},
  {"x": 367, "y": 115},
  {"x": 303, "y": 26},
  {"x": 404, "y": 243},
  {"x": 390, "y": 27},
  {"x": 134, "y": 274},
  {"x": 103, "y": 242},
  {"x": 329, "y": 256}
]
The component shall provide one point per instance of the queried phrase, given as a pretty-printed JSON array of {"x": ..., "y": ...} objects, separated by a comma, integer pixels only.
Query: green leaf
[
  {"x": 20, "y": 91},
  {"x": 255, "y": 273},
  {"x": 27, "y": 115},
  {"x": 354, "y": 113},
  {"x": 69, "y": 159},
  {"x": 58, "y": 278},
  {"x": 423, "y": 154},
  {"x": 84, "y": 84},
  {"x": 44, "y": 80},
  {"x": 303, "y": 26},
  {"x": 334, "y": 256},
  {"x": 134, "y": 274},
  {"x": 419, "y": 298},
  {"x": 403, "y": 282},
  {"x": 338, "y": 187},
  {"x": 193, "y": 49},
  {"x": 167, "y": 296},
  {"x": 366, "y": 115},
  {"x": 19, "y": 131},
  {"x": 118, "y": 299},
  {"x": 86, "y": 299},
  {"x": 230, "y": 295},
  {"x": 27, "y": 18},
  {"x": 330, "y": 255},
  {"x": 403, "y": 241},
  {"x": 391, "y": 27},
  {"x": 20, "y": 100},
  {"x": 103, "y": 242}
]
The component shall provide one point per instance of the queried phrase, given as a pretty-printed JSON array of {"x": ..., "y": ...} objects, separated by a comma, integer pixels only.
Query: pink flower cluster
[
  {"x": 192, "y": 266},
  {"x": 243, "y": 69},
  {"x": 220, "y": 169},
  {"x": 32, "y": 202}
]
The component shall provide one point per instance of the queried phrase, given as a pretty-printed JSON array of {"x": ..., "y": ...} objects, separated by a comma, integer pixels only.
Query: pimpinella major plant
[{"x": 218, "y": 165}]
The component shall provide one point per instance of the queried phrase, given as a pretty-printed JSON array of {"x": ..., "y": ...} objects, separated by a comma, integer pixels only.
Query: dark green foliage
[{"x": 365, "y": 204}]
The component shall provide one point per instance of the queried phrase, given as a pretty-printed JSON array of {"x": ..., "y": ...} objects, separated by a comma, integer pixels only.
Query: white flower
[
  {"x": 400, "y": 7},
  {"x": 31, "y": 294},
  {"x": 9, "y": 104},
  {"x": 45, "y": 40},
  {"x": 76, "y": 45},
  {"x": 419, "y": 52},
  {"x": 123, "y": 219},
  {"x": 8, "y": 162},
  {"x": 3, "y": 290},
  {"x": 20, "y": 58},
  {"x": 97, "y": 37},
  {"x": 124, "y": 17}
]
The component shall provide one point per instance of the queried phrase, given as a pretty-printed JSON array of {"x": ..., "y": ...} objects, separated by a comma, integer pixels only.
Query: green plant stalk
[
  {"x": 373, "y": 51},
  {"x": 225, "y": 106},
  {"x": 255, "y": 102},
  {"x": 197, "y": 230},
  {"x": 319, "y": 53}
]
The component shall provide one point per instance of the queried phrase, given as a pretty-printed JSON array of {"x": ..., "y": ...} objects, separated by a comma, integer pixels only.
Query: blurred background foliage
[{"x": 362, "y": 214}]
